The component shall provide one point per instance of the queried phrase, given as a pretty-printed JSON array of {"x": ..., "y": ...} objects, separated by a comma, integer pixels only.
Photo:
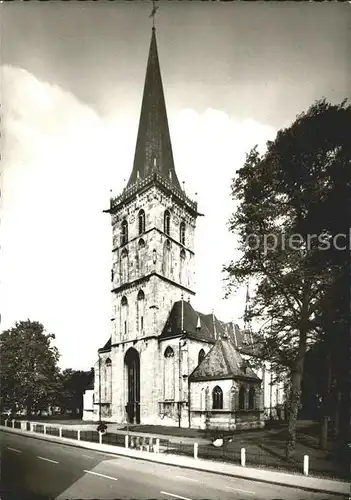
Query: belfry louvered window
[
  {"x": 141, "y": 221},
  {"x": 124, "y": 232},
  {"x": 182, "y": 233},
  {"x": 167, "y": 222}
]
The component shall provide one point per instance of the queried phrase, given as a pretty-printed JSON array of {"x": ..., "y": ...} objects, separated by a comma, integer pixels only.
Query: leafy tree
[
  {"x": 73, "y": 383},
  {"x": 285, "y": 241},
  {"x": 28, "y": 371}
]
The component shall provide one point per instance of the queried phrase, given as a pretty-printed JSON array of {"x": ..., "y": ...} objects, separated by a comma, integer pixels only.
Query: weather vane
[{"x": 153, "y": 13}]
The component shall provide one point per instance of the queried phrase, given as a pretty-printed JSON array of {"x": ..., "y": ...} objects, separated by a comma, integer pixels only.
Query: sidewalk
[
  {"x": 284, "y": 479},
  {"x": 264, "y": 448}
]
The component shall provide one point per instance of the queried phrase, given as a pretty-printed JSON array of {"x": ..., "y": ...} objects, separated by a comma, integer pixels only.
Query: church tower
[{"x": 153, "y": 225}]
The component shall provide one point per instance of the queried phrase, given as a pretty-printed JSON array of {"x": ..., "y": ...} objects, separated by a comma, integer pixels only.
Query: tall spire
[{"x": 153, "y": 147}]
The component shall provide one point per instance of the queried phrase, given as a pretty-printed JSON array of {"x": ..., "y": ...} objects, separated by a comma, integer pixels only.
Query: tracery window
[
  {"x": 252, "y": 395},
  {"x": 217, "y": 398},
  {"x": 169, "y": 375},
  {"x": 201, "y": 356},
  {"x": 108, "y": 380},
  {"x": 242, "y": 397}
]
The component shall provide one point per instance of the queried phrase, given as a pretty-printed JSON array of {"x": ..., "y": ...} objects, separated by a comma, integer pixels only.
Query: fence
[{"x": 239, "y": 456}]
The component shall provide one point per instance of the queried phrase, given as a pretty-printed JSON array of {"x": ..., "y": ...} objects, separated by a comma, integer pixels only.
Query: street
[{"x": 36, "y": 469}]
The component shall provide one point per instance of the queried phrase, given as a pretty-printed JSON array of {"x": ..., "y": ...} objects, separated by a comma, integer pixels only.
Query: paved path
[{"x": 37, "y": 469}]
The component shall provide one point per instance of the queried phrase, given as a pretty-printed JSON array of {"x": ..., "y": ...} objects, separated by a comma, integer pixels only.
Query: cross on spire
[{"x": 153, "y": 13}]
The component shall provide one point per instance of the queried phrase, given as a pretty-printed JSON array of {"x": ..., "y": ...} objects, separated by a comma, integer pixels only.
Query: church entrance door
[{"x": 132, "y": 363}]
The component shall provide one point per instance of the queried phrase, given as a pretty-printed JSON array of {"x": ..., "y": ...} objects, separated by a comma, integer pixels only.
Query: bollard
[
  {"x": 44, "y": 429},
  {"x": 305, "y": 464},
  {"x": 126, "y": 440},
  {"x": 60, "y": 432},
  {"x": 243, "y": 457},
  {"x": 157, "y": 447},
  {"x": 196, "y": 450},
  {"x": 31, "y": 427},
  {"x": 78, "y": 434},
  {"x": 13, "y": 424},
  {"x": 100, "y": 437}
]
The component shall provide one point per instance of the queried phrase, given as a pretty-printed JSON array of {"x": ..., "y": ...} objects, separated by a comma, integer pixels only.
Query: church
[{"x": 166, "y": 363}]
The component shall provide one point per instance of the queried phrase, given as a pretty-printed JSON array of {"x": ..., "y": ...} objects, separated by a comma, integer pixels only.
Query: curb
[{"x": 336, "y": 487}]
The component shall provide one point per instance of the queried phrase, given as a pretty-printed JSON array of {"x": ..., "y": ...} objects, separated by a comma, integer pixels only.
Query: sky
[{"x": 72, "y": 73}]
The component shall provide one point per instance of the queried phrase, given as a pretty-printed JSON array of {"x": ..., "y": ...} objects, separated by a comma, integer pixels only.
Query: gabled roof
[
  {"x": 213, "y": 324},
  {"x": 107, "y": 346},
  {"x": 183, "y": 319},
  {"x": 222, "y": 362},
  {"x": 153, "y": 150}
]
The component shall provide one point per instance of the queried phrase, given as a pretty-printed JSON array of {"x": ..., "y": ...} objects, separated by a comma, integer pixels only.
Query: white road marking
[
  {"x": 175, "y": 496},
  {"x": 48, "y": 460},
  {"x": 188, "y": 478},
  {"x": 14, "y": 449},
  {"x": 87, "y": 456},
  {"x": 243, "y": 491},
  {"x": 101, "y": 475}
]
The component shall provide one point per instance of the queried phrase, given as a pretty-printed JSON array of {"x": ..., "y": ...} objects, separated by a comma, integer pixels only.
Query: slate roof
[
  {"x": 223, "y": 361},
  {"x": 153, "y": 149},
  {"x": 107, "y": 346},
  {"x": 184, "y": 319}
]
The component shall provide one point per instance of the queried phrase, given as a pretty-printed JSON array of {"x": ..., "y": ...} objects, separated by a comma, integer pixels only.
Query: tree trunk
[
  {"x": 323, "y": 438},
  {"x": 336, "y": 417},
  {"x": 294, "y": 404}
]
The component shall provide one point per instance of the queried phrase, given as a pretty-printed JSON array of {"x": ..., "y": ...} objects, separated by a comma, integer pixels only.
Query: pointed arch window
[
  {"x": 201, "y": 356},
  {"x": 124, "y": 265},
  {"x": 166, "y": 268},
  {"x": 124, "y": 316},
  {"x": 108, "y": 380},
  {"x": 217, "y": 398},
  {"x": 141, "y": 256},
  {"x": 252, "y": 397},
  {"x": 167, "y": 222},
  {"x": 124, "y": 232},
  {"x": 169, "y": 374},
  {"x": 141, "y": 221},
  {"x": 182, "y": 233},
  {"x": 182, "y": 266},
  {"x": 242, "y": 397},
  {"x": 140, "y": 310}
]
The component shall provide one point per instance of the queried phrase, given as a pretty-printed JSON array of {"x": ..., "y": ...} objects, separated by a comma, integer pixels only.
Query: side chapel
[{"x": 165, "y": 363}]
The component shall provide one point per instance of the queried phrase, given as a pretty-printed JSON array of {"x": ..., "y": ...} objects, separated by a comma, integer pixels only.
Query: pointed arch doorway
[{"x": 132, "y": 366}]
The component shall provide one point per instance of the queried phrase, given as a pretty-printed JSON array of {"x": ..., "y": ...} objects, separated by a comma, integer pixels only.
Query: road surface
[{"x": 36, "y": 469}]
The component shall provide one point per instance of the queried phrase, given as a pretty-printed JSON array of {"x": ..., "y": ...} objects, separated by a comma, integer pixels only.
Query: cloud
[{"x": 60, "y": 159}]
